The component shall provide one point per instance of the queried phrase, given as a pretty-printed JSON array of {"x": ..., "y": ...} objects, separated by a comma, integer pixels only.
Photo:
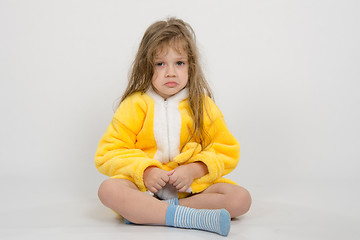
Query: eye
[
  {"x": 159, "y": 64},
  {"x": 180, "y": 63}
]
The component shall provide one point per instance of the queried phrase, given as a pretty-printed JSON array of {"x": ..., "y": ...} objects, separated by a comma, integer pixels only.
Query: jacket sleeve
[
  {"x": 117, "y": 155},
  {"x": 221, "y": 156}
]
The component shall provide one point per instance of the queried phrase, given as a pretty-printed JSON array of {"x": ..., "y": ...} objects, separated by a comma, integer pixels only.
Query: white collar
[{"x": 178, "y": 97}]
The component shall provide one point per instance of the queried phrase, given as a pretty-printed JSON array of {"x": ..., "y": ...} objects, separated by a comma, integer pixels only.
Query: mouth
[{"x": 171, "y": 84}]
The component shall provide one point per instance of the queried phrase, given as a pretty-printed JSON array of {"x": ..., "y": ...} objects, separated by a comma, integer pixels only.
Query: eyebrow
[{"x": 179, "y": 58}]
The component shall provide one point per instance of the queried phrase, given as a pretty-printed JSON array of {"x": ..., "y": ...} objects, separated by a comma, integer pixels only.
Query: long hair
[{"x": 176, "y": 33}]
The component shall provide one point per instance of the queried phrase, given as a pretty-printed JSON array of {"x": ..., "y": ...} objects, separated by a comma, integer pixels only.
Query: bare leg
[
  {"x": 125, "y": 198},
  {"x": 235, "y": 199}
]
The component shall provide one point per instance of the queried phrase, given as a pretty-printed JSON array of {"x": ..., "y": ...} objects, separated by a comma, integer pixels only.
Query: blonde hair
[{"x": 175, "y": 33}]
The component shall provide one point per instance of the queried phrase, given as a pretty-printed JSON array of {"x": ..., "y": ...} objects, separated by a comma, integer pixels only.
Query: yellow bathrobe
[{"x": 148, "y": 131}]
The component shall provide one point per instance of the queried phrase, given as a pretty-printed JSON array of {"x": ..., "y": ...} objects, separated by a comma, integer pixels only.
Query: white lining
[
  {"x": 167, "y": 130},
  {"x": 167, "y": 124}
]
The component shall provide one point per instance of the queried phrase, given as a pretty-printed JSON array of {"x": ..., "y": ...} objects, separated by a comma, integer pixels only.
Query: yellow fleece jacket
[{"x": 148, "y": 131}]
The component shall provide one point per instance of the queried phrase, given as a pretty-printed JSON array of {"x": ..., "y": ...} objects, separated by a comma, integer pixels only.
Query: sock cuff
[
  {"x": 173, "y": 201},
  {"x": 176, "y": 201},
  {"x": 170, "y": 215}
]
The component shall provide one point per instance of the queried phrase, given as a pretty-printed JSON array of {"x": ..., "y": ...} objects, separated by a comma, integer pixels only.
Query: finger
[
  {"x": 176, "y": 182},
  {"x": 153, "y": 190},
  {"x": 165, "y": 178},
  {"x": 170, "y": 172},
  {"x": 162, "y": 183},
  {"x": 180, "y": 186},
  {"x": 158, "y": 186},
  {"x": 155, "y": 187},
  {"x": 172, "y": 179},
  {"x": 183, "y": 189}
]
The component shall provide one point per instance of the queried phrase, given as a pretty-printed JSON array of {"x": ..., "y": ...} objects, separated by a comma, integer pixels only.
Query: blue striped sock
[
  {"x": 173, "y": 201},
  {"x": 217, "y": 221}
]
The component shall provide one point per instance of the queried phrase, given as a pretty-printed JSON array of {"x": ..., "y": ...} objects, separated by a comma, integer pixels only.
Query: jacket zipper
[{"x": 167, "y": 129}]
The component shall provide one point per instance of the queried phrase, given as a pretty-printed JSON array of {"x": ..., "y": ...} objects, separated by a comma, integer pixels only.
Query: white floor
[{"x": 286, "y": 210}]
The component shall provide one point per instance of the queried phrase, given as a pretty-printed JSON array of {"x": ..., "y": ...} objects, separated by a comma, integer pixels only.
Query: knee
[
  {"x": 240, "y": 202},
  {"x": 106, "y": 191}
]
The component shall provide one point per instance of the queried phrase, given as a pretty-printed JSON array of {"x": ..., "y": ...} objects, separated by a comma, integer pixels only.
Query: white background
[{"x": 284, "y": 73}]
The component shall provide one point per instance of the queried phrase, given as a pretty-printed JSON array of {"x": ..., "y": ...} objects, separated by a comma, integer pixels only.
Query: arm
[
  {"x": 117, "y": 154},
  {"x": 221, "y": 156}
]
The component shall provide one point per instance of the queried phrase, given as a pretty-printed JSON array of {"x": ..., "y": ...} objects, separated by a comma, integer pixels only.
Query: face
[{"x": 171, "y": 72}]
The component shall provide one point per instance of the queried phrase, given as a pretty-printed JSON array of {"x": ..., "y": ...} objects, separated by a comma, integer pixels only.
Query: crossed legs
[{"x": 124, "y": 198}]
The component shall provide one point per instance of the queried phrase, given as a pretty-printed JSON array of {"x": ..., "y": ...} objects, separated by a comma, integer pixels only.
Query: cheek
[
  {"x": 187, "y": 71},
  {"x": 154, "y": 77},
  {"x": 185, "y": 75}
]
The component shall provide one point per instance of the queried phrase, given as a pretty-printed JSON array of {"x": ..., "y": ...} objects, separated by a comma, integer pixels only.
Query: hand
[
  {"x": 184, "y": 175},
  {"x": 182, "y": 178},
  {"x": 155, "y": 178}
]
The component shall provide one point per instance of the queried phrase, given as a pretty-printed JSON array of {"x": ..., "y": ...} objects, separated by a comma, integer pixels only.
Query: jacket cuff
[
  {"x": 139, "y": 173},
  {"x": 215, "y": 167}
]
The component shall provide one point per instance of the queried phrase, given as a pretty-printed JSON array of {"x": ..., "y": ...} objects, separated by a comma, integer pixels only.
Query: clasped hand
[{"x": 181, "y": 178}]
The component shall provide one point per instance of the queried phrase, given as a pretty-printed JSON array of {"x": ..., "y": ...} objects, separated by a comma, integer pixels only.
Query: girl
[{"x": 168, "y": 138}]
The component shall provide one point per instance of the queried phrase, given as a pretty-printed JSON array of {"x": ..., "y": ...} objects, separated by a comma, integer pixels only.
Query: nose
[{"x": 170, "y": 72}]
